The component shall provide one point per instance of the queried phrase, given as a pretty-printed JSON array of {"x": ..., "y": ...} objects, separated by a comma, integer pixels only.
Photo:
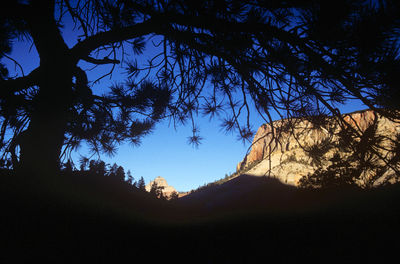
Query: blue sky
[{"x": 165, "y": 152}]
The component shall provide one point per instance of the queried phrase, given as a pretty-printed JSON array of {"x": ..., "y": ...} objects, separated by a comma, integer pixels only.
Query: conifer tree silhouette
[
  {"x": 292, "y": 58},
  {"x": 141, "y": 185}
]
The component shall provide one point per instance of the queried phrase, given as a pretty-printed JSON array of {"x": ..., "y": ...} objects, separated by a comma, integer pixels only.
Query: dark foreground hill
[{"x": 82, "y": 220}]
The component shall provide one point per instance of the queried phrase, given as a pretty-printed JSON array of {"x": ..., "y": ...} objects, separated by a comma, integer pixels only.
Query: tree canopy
[{"x": 227, "y": 57}]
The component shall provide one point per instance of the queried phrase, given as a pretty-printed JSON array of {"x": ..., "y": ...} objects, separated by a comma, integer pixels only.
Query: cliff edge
[{"x": 281, "y": 149}]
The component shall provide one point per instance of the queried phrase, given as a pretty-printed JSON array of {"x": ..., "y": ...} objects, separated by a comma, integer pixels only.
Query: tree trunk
[{"x": 41, "y": 144}]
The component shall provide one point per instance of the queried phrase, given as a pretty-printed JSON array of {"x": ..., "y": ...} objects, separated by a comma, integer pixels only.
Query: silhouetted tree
[
  {"x": 101, "y": 168},
  {"x": 112, "y": 172},
  {"x": 117, "y": 172},
  {"x": 129, "y": 178},
  {"x": 83, "y": 163},
  {"x": 98, "y": 167},
  {"x": 338, "y": 174},
  {"x": 92, "y": 166},
  {"x": 68, "y": 166},
  {"x": 157, "y": 191},
  {"x": 355, "y": 160},
  {"x": 141, "y": 185},
  {"x": 174, "y": 196},
  {"x": 292, "y": 58},
  {"x": 120, "y": 174}
]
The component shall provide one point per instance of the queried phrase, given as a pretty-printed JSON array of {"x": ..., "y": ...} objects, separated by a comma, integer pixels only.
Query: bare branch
[
  {"x": 82, "y": 49},
  {"x": 105, "y": 60}
]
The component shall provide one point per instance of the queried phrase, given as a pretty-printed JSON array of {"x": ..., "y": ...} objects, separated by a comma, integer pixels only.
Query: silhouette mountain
[
  {"x": 239, "y": 193},
  {"x": 246, "y": 220}
]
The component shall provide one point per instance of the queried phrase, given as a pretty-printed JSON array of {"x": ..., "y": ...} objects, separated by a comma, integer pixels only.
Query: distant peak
[{"x": 161, "y": 182}]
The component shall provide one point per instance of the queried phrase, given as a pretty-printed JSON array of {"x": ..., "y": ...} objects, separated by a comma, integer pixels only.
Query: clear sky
[{"x": 166, "y": 151}]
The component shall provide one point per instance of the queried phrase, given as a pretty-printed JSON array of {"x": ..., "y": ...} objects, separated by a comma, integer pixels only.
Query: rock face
[
  {"x": 279, "y": 149},
  {"x": 161, "y": 182}
]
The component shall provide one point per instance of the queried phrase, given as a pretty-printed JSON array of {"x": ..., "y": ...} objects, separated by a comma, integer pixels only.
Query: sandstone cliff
[
  {"x": 167, "y": 190},
  {"x": 281, "y": 149}
]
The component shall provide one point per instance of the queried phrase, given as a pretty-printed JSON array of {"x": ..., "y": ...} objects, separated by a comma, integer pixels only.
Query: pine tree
[
  {"x": 130, "y": 178},
  {"x": 68, "y": 166},
  {"x": 120, "y": 174},
  {"x": 174, "y": 196},
  {"x": 141, "y": 184},
  {"x": 112, "y": 172},
  {"x": 290, "y": 58},
  {"x": 157, "y": 191}
]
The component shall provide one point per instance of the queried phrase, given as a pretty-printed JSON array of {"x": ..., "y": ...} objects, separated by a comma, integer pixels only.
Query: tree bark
[{"x": 41, "y": 144}]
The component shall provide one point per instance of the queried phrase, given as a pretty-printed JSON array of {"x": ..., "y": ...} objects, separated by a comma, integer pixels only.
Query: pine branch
[
  {"x": 105, "y": 60},
  {"x": 21, "y": 83},
  {"x": 82, "y": 49}
]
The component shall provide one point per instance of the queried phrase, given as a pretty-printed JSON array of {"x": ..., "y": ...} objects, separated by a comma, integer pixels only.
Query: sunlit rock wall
[
  {"x": 278, "y": 149},
  {"x": 160, "y": 181}
]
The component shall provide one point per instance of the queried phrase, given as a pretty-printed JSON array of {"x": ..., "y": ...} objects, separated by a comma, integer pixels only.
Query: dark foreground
[{"x": 75, "y": 220}]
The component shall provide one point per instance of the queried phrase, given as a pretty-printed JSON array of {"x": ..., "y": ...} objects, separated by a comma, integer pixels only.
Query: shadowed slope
[
  {"x": 244, "y": 191},
  {"x": 246, "y": 220}
]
